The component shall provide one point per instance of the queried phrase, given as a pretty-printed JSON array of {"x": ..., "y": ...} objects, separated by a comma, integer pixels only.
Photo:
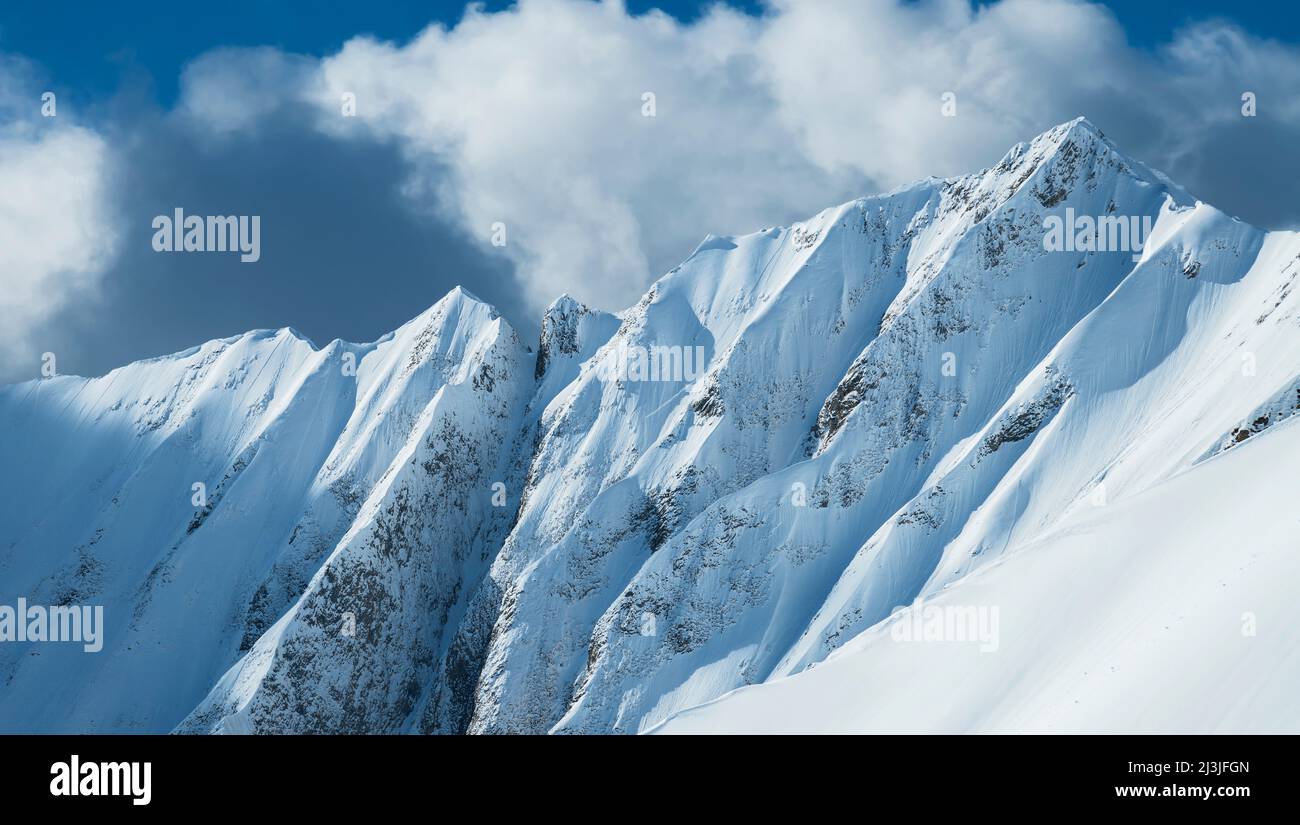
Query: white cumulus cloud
[
  {"x": 56, "y": 233},
  {"x": 533, "y": 117}
]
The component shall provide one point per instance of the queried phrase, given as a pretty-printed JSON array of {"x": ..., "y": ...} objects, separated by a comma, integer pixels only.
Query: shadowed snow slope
[{"x": 897, "y": 399}]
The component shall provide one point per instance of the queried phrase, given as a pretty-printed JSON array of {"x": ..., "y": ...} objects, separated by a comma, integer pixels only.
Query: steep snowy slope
[
  {"x": 707, "y": 524},
  {"x": 1171, "y": 611},
  {"x": 792, "y": 435},
  {"x": 289, "y": 442},
  {"x": 1165, "y": 368},
  {"x": 361, "y": 651},
  {"x": 726, "y": 533}
]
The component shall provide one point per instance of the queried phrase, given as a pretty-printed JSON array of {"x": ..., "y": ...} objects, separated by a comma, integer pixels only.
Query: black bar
[{"x": 328, "y": 773}]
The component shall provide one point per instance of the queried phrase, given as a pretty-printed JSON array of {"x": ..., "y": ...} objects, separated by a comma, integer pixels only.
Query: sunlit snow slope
[{"x": 1105, "y": 625}]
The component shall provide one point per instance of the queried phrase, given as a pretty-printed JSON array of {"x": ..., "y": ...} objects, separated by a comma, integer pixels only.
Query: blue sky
[
  {"x": 367, "y": 223},
  {"x": 111, "y": 42}
]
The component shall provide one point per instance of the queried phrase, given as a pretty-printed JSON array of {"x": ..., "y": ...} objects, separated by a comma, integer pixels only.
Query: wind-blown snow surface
[
  {"x": 904, "y": 397},
  {"x": 1104, "y": 625}
]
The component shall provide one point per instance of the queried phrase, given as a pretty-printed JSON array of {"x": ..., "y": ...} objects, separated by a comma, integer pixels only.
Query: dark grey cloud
[
  {"x": 1246, "y": 168},
  {"x": 344, "y": 253}
]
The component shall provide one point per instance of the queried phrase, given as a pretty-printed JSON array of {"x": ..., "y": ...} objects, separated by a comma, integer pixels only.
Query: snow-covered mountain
[{"x": 904, "y": 402}]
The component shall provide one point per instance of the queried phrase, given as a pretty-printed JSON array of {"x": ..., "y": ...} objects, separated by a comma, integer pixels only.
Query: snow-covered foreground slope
[
  {"x": 791, "y": 435},
  {"x": 1174, "y": 610}
]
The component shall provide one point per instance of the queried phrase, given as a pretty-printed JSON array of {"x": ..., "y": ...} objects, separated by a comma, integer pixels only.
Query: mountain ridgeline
[{"x": 445, "y": 532}]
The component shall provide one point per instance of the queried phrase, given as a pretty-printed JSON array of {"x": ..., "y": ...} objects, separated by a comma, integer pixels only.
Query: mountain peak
[
  {"x": 458, "y": 302},
  {"x": 1079, "y": 133},
  {"x": 1079, "y": 130},
  {"x": 563, "y": 305},
  {"x": 459, "y": 293},
  {"x": 460, "y": 290},
  {"x": 1078, "y": 124}
]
